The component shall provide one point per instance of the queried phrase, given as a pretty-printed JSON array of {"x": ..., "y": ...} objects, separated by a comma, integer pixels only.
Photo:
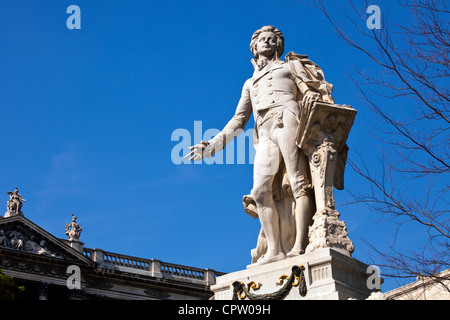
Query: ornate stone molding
[
  {"x": 28, "y": 243},
  {"x": 328, "y": 231}
]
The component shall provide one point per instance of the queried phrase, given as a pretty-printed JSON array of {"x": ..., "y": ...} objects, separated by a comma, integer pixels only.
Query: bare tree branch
[{"x": 413, "y": 62}]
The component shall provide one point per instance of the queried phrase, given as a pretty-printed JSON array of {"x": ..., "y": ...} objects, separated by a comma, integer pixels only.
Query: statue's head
[{"x": 265, "y": 31}]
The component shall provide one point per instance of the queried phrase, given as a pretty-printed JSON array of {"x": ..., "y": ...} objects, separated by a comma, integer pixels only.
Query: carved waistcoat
[{"x": 274, "y": 87}]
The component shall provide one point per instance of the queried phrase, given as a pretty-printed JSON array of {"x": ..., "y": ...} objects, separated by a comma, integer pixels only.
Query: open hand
[{"x": 198, "y": 151}]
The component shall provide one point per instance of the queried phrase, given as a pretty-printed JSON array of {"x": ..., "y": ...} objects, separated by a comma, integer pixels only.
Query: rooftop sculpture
[
  {"x": 73, "y": 229},
  {"x": 14, "y": 204}
]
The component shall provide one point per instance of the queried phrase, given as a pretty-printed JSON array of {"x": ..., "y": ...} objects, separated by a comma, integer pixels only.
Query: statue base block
[
  {"x": 328, "y": 274},
  {"x": 76, "y": 244},
  {"x": 12, "y": 214}
]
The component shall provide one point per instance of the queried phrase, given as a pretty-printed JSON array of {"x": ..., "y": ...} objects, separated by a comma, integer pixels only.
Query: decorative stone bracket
[{"x": 325, "y": 128}]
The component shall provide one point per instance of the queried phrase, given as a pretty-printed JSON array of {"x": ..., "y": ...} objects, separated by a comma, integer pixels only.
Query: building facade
[
  {"x": 424, "y": 288},
  {"x": 50, "y": 268}
]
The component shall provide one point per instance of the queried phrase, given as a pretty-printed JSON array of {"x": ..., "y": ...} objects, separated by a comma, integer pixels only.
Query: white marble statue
[{"x": 278, "y": 94}]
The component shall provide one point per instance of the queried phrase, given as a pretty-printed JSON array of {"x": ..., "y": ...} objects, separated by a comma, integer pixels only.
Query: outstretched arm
[{"x": 233, "y": 128}]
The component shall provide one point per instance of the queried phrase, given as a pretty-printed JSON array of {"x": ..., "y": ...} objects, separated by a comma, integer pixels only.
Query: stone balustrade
[{"x": 152, "y": 267}]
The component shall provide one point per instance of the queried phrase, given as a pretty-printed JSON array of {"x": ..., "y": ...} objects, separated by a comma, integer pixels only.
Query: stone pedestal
[
  {"x": 329, "y": 275},
  {"x": 12, "y": 214},
  {"x": 76, "y": 244}
]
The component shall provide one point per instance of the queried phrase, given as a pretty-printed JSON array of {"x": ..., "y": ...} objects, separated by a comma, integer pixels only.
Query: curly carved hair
[{"x": 269, "y": 28}]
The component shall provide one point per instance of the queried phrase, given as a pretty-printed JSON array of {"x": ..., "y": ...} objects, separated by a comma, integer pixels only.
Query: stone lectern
[{"x": 325, "y": 128}]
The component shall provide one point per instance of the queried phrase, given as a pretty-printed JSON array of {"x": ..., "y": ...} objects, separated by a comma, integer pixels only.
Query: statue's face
[{"x": 266, "y": 44}]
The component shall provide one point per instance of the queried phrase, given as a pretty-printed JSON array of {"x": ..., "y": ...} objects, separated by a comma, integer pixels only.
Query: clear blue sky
[{"x": 87, "y": 117}]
